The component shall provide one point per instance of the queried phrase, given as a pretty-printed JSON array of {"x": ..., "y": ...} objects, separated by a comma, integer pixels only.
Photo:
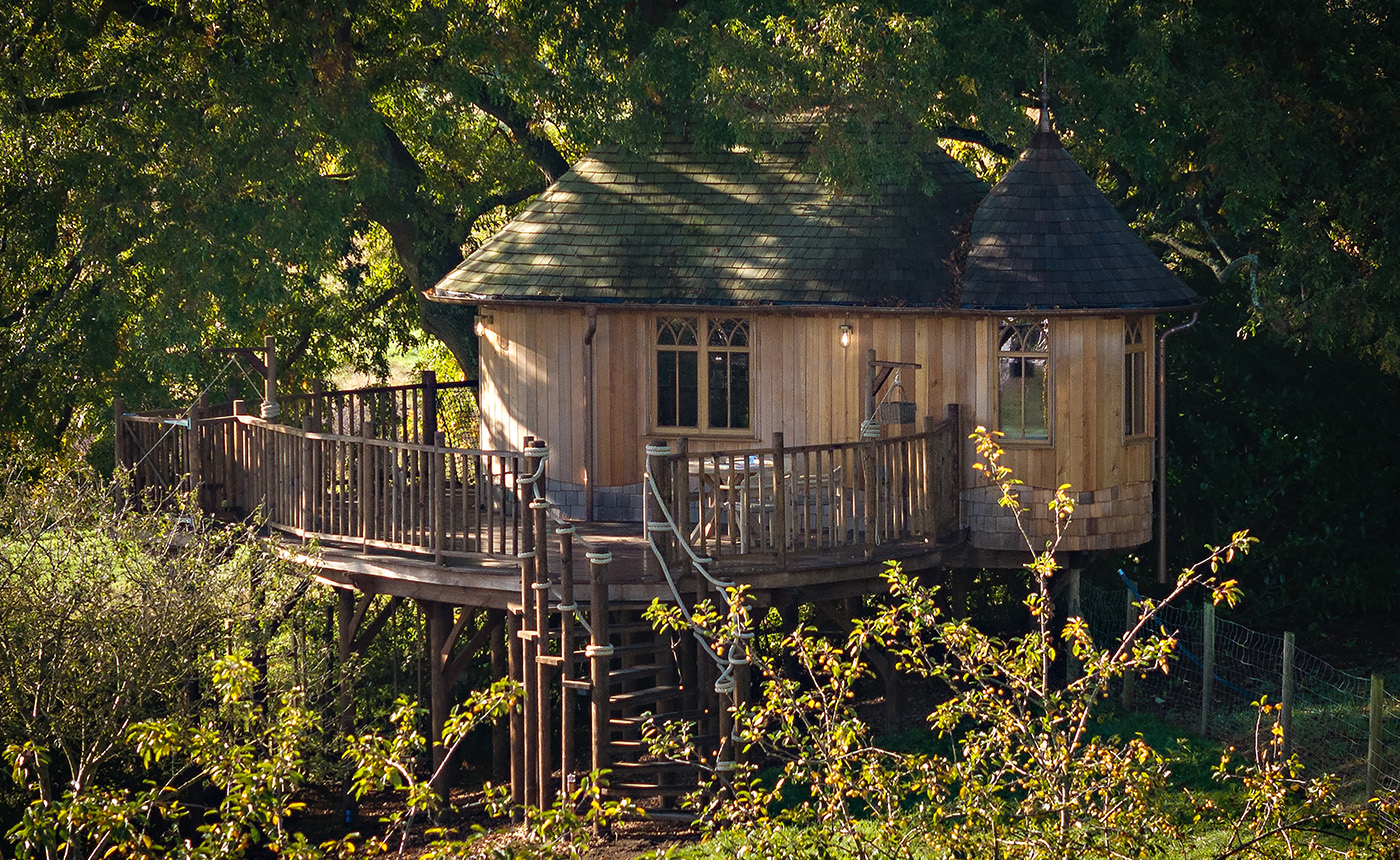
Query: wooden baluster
[
  {"x": 310, "y": 492},
  {"x": 438, "y": 496},
  {"x": 365, "y": 492}
]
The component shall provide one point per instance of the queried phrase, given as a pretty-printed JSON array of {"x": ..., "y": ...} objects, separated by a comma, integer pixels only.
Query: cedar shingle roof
[
  {"x": 1046, "y": 238},
  {"x": 677, "y": 225}
]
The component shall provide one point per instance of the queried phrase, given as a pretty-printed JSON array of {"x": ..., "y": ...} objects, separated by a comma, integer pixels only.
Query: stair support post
[
  {"x": 600, "y": 656},
  {"x": 529, "y": 637},
  {"x": 539, "y": 510},
  {"x": 439, "y": 620},
  {"x": 516, "y": 664},
  {"x": 568, "y": 639}
]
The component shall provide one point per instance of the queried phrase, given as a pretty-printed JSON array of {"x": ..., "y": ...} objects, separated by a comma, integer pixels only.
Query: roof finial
[{"x": 1045, "y": 91}]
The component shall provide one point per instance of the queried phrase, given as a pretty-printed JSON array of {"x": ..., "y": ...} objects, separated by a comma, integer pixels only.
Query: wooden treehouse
[{"x": 699, "y": 369}]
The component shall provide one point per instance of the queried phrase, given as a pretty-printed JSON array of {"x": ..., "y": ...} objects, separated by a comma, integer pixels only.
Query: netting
[{"x": 1331, "y": 716}]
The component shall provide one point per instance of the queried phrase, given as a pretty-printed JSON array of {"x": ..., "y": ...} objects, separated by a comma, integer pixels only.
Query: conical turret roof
[{"x": 1045, "y": 238}]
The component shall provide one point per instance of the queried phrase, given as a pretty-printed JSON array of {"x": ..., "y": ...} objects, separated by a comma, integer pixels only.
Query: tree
[
  {"x": 182, "y": 174},
  {"x": 108, "y": 616}
]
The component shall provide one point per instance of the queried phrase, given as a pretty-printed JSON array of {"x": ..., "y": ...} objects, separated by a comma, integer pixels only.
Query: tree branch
[
  {"x": 538, "y": 148},
  {"x": 508, "y": 198},
  {"x": 64, "y": 101},
  {"x": 978, "y": 137}
]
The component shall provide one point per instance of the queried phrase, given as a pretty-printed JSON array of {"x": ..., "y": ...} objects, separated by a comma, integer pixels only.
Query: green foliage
[
  {"x": 1020, "y": 771},
  {"x": 108, "y": 614}
]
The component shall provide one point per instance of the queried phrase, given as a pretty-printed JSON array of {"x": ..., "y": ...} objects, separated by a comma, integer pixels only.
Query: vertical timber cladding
[
  {"x": 1110, "y": 476},
  {"x": 808, "y": 386}
]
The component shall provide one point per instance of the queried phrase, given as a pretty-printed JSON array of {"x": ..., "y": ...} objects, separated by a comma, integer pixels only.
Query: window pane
[
  {"x": 666, "y": 388},
  {"x": 688, "y": 390},
  {"x": 719, "y": 389},
  {"x": 1037, "y": 399},
  {"x": 739, "y": 390},
  {"x": 1012, "y": 406}
]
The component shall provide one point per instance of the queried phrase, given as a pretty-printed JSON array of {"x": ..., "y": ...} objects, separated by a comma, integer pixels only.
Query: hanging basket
[{"x": 896, "y": 412}]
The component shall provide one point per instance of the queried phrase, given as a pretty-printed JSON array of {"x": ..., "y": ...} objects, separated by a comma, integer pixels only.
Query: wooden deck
[
  {"x": 394, "y": 513},
  {"x": 366, "y": 490}
]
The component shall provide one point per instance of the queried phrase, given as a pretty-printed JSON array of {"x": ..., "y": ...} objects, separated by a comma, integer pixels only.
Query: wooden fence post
[
  {"x": 1285, "y": 716},
  {"x": 1207, "y": 667},
  {"x": 1373, "y": 740}
]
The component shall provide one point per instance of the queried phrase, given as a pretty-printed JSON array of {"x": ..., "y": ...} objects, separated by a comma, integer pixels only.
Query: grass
[{"x": 1192, "y": 761}]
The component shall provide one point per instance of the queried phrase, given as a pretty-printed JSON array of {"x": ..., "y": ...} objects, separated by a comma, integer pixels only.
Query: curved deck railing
[{"x": 375, "y": 467}]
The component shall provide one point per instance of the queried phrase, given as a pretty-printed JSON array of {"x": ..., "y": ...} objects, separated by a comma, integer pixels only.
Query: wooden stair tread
[
  {"x": 643, "y": 697},
  {"x": 643, "y": 670}
]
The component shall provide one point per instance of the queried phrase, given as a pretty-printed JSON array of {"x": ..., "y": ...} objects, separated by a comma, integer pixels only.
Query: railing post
[
  {"x": 599, "y": 652},
  {"x": 192, "y": 458},
  {"x": 530, "y": 634},
  {"x": 317, "y": 412},
  {"x": 240, "y": 456},
  {"x": 872, "y": 495},
  {"x": 567, "y": 641},
  {"x": 539, "y": 509},
  {"x": 1285, "y": 715},
  {"x": 930, "y": 481},
  {"x": 270, "y": 409},
  {"x": 780, "y": 510},
  {"x": 122, "y": 453},
  {"x": 1207, "y": 667},
  {"x": 430, "y": 406},
  {"x": 680, "y": 496},
  {"x": 1373, "y": 740},
  {"x": 437, "y": 495}
]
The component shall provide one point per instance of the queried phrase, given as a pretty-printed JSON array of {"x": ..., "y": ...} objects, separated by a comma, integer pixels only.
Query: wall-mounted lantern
[{"x": 845, "y": 334}]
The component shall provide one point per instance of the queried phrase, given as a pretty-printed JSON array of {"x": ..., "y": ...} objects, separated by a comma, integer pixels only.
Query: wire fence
[{"x": 1338, "y": 723}]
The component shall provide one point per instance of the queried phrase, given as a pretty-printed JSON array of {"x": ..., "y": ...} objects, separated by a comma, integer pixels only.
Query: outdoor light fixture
[
  {"x": 845, "y": 334},
  {"x": 482, "y": 320}
]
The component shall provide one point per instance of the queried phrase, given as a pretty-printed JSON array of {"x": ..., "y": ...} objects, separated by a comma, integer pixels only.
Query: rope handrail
[{"x": 724, "y": 683}]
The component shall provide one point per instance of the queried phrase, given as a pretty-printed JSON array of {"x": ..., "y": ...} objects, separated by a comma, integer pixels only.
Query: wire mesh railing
[{"x": 1337, "y": 723}]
